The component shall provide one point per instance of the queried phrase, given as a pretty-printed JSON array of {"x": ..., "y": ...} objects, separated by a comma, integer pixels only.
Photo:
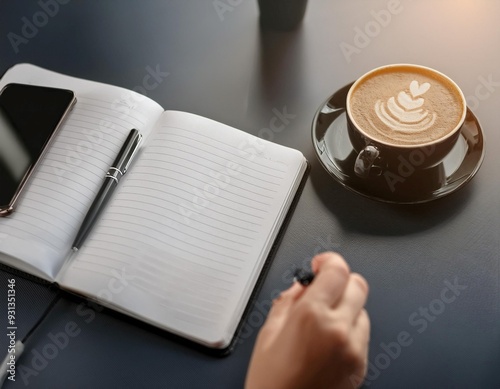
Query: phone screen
[{"x": 29, "y": 117}]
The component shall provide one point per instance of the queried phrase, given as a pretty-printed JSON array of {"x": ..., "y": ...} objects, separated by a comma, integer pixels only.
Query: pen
[
  {"x": 305, "y": 277},
  {"x": 115, "y": 172}
]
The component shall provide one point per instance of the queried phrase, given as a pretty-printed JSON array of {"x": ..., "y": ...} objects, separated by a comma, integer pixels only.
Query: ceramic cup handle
[{"x": 364, "y": 161}]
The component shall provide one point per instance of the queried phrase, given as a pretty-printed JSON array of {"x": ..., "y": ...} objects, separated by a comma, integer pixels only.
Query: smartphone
[{"x": 29, "y": 119}]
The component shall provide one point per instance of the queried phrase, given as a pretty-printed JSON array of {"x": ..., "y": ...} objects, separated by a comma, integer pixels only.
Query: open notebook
[{"x": 185, "y": 237}]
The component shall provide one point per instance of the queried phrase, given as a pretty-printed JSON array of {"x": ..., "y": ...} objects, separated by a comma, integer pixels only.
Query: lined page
[
  {"x": 50, "y": 211},
  {"x": 190, "y": 228}
]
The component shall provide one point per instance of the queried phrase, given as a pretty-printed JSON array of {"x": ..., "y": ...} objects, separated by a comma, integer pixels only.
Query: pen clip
[{"x": 135, "y": 148}]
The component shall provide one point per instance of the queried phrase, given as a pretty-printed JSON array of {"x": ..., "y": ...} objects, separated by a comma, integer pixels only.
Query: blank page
[
  {"x": 184, "y": 239},
  {"x": 40, "y": 232}
]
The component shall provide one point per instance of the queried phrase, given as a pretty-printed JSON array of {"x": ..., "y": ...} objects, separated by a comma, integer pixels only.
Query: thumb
[{"x": 282, "y": 304}]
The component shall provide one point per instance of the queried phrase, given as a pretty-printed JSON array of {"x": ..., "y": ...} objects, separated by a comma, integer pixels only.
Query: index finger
[{"x": 332, "y": 274}]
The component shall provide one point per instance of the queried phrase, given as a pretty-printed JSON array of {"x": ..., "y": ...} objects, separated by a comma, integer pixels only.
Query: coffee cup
[{"x": 402, "y": 118}]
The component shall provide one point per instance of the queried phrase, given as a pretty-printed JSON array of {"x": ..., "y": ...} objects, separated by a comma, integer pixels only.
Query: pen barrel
[{"x": 95, "y": 210}]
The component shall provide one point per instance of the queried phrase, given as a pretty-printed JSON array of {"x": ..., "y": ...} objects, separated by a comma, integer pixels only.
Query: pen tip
[{"x": 75, "y": 249}]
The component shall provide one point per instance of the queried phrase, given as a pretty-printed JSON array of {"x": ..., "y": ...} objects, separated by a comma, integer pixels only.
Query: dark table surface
[{"x": 223, "y": 66}]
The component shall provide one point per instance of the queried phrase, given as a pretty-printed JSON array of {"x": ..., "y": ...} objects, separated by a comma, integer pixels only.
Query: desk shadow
[
  {"x": 363, "y": 215},
  {"x": 278, "y": 77}
]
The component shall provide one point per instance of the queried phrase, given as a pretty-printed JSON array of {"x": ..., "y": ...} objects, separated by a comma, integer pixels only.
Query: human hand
[{"x": 316, "y": 336}]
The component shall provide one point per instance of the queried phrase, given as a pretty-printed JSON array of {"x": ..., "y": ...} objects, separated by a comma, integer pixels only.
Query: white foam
[{"x": 405, "y": 113}]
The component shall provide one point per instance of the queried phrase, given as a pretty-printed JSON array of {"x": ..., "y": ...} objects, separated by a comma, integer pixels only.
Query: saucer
[{"x": 336, "y": 154}]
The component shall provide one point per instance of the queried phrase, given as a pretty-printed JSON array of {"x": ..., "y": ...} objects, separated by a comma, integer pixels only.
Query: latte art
[
  {"x": 404, "y": 113},
  {"x": 406, "y": 105}
]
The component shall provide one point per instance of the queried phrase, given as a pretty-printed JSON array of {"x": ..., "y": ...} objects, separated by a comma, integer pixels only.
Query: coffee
[{"x": 406, "y": 105}]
